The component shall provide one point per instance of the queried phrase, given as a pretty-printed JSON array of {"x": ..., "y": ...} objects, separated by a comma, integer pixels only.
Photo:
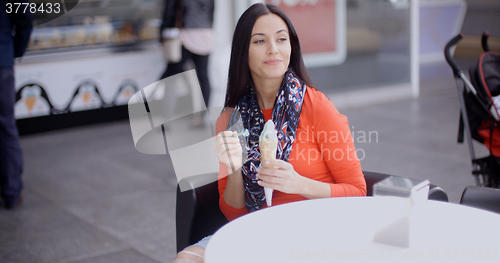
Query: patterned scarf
[{"x": 285, "y": 115}]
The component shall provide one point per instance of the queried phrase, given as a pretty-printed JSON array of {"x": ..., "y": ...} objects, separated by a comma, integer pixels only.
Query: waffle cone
[{"x": 267, "y": 151}]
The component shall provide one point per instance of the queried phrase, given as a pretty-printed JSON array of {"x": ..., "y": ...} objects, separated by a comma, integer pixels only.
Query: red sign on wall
[{"x": 315, "y": 22}]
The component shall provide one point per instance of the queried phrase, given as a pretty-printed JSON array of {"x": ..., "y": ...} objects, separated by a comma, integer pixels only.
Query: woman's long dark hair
[{"x": 239, "y": 78}]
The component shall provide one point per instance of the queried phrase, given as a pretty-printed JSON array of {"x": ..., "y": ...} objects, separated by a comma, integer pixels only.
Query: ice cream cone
[{"x": 268, "y": 142}]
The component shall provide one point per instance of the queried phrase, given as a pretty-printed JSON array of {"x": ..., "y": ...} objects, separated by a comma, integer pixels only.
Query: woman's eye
[
  {"x": 259, "y": 41},
  {"x": 282, "y": 39}
]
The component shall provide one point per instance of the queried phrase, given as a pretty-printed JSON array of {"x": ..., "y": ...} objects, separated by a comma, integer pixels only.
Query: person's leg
[
  {"x": 190, "y": 254},
  {"x": 11, "y": 160},
  {"x": 170, "y": 99},
  {"x": 176, "y": 68},
  {"x": 193, "y": 253},
  {"x": 201, "y": 64}
]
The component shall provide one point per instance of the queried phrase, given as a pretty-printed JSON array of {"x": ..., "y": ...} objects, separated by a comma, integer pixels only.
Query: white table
[{"x": 342, "y": 229}]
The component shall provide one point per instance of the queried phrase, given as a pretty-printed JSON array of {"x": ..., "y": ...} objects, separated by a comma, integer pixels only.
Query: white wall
[{"x": 224, "y": 23}]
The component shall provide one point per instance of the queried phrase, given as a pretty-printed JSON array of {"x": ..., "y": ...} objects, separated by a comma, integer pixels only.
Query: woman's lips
[{"x": 272, "y": 62}]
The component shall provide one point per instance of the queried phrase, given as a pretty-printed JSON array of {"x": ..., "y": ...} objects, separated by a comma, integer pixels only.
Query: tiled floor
[{"x": 90, "y": 196}]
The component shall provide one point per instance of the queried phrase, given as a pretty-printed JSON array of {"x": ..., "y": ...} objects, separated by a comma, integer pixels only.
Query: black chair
[
  {"x": 198, "y": 214},
  {"x": 197, "y": 210},
  {"x": 482, "y": 198}
]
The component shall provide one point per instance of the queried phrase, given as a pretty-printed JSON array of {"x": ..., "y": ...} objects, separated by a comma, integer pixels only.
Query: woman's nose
[{"x": 272, "y": 49}]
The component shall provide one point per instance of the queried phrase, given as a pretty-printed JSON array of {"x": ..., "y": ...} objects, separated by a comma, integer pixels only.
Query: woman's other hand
[
  {"x": 228, "y": 149},
  {"x": 282, "y": 177},
  {"x": 285, "y": 179}
]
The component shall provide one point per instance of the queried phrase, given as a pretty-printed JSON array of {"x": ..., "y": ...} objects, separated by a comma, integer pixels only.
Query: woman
[{"x": 268, "y": 81}]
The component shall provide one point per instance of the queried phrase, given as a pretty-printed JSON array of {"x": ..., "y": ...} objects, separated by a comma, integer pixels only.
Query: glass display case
[
  {"x": 97, "y": 23},
  {"x": 83, "y": 65}
]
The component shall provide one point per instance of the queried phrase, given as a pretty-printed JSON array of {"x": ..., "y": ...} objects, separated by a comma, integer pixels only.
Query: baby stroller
[{"x": 479, "y": 116}]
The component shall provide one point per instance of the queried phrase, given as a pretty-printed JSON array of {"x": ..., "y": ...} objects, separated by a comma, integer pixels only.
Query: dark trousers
[
  {"x": 201, "y": 66},
  {"x": 11, "y": 159}
]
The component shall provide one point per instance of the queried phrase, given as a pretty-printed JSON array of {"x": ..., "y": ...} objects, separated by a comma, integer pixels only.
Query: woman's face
[{"x": 269, "y": 50}]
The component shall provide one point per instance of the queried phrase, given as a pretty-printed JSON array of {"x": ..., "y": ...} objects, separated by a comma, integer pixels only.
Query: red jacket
[{"x": 323, "y": 150}]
